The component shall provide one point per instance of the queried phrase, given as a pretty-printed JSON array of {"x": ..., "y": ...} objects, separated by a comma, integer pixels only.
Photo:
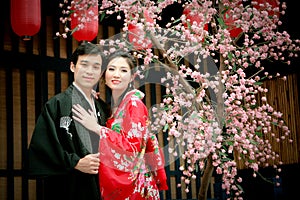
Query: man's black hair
[{"x": 88, "y": 48}]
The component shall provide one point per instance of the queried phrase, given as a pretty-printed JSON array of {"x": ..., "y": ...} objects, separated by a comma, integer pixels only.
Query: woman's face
[{"x": 118, "y": 75}]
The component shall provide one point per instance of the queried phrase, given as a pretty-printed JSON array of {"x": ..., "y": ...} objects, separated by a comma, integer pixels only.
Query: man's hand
[{"x": 89, "y": 164}]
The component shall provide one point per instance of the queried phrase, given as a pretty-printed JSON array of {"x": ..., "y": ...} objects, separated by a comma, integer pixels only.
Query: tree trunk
[{"x": 205, "y": 182}]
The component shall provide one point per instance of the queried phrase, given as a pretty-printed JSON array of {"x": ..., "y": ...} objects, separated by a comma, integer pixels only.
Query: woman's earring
[{"x": 131, "y": 85}]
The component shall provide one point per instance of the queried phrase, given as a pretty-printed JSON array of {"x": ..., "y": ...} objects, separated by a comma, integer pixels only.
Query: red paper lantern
[
  {"x": 229, "y": 22},
  {"x": 25, "y": 16},
  {"x": 90, "y": 28},
  {"x": 193, "y": 17},
  {"x": 273, "y": 3},
  {"x": 136, "y": 34}
]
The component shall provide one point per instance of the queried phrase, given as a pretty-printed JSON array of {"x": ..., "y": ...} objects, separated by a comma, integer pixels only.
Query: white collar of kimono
[{"x": 92, "y": 103}]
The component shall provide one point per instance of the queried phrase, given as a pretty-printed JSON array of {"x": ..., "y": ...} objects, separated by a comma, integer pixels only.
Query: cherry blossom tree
[{"x": 214, "y": 55}]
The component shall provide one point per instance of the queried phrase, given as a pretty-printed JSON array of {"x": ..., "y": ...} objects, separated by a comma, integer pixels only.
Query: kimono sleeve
[
  {"x": 155, "y": 160},
  {"x": 46, "y": 156},
  {"x": 153, "y": 154},
  {"x": 127, "y": 131}
]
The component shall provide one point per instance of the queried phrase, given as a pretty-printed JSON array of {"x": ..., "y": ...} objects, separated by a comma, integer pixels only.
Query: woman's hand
[{"x": 87, "y": 119}]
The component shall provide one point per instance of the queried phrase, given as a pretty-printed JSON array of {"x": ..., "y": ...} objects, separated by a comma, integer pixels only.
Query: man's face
[{"x": 87, "y": 71}]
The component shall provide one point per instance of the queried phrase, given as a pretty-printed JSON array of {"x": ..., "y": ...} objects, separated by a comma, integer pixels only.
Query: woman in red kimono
[{"x": 131, "y": 163}]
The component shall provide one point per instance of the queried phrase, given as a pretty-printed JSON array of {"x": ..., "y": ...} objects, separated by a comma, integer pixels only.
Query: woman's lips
[{"x": 116, "y": 81}]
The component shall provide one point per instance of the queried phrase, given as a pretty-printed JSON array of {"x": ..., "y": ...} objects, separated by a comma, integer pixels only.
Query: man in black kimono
[{"x": 62, "y": 152}]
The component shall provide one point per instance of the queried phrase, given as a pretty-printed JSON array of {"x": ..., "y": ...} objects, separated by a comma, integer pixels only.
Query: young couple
[{"x": 83, "y": 150}]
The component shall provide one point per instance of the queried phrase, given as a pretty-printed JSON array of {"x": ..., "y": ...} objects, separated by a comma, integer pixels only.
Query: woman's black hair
[{"x": 124, "y": 54}]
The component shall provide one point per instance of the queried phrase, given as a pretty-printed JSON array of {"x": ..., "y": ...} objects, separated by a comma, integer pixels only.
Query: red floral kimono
[{"x": 131, "y": 163}]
